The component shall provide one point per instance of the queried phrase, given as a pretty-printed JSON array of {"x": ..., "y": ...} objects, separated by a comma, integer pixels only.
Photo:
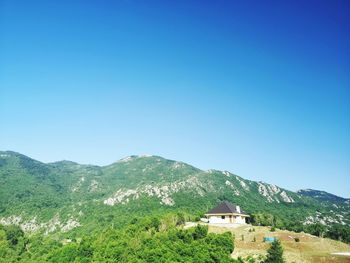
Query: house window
[{"x": 222, "y": 217}]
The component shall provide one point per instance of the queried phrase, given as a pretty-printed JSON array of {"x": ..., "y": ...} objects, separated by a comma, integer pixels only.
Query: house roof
[{"x": 225, "y": 208}]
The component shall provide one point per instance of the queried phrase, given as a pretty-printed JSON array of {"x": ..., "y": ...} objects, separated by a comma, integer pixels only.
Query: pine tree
[{"x": 275, "y": 253}]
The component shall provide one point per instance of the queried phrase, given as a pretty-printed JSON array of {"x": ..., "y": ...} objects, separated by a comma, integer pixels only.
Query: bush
[
  {"x": 180, "y": 219},
  {"x": 223, "y": 241},
  {"x": 200, "y": 232}
]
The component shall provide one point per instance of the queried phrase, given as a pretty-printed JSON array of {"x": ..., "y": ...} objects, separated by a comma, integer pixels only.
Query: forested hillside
[
  {"x": 64, "y": 196},
  {"x": 142, "y": 240}
]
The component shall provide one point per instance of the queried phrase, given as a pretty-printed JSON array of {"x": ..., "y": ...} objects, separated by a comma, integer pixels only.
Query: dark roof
[{"x": 225, "y": 208}]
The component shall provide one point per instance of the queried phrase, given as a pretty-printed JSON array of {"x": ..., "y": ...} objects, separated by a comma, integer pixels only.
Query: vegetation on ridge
[{"x": 68, "y": 201}]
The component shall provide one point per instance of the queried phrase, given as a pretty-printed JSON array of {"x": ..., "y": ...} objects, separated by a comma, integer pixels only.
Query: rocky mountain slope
[
  {"x": 63, "y": 195},
  {"x": 323, "y": 196}
]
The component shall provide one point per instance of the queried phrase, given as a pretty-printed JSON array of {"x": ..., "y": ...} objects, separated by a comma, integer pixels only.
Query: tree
[
  {"x": 224, "y": 241},
  {"x": 180, "y": 219},
  {"x": 200, "y": 232},
  {"x": 339, "y": 232},
  {"x": 275, "y": 253},
  {"x": 13, "y": 234},
  {"x": 316, "y": 229}
]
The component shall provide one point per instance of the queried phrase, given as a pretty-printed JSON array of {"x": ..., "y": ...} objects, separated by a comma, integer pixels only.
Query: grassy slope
[{"x": 309, "y": 249}]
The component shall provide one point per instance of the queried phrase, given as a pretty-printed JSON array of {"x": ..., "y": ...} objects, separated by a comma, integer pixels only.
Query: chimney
[{"x": 238, "y": 209}]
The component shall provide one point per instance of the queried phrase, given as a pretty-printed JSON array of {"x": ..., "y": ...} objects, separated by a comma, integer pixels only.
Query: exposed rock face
[
  {"x": 231, "y": 185},
  {"x": 324, "y": 220},
  {"x": 286, "y": 198},
  {"x": 71, "y": 191},
  {"x": 242, "y": 183},
  {"x": 273, "y": 193},
  {"x": 161, "y": 191},
  {"x": 32, "y": 225}
]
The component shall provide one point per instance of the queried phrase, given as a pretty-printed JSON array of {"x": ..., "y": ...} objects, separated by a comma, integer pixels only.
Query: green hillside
[{"x": 64, "y": 195}]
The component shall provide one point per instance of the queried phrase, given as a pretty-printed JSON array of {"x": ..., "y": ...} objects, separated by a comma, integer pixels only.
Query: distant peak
[
  {"x": 305, "y": 190},
  {"x": 64, "y": 162},
  {"x": 128, "y": 158},
  {"x": 322, "y": 195},
  {"x": 9, "y": 154},
  {"x": 133, "y": 157},
  {"x": 145, "y": 155}
]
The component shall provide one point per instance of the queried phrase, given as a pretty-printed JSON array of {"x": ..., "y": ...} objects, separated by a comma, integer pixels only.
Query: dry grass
[{"x": 309, "y": 249}]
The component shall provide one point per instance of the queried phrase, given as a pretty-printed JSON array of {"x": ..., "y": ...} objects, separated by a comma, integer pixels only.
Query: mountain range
[{"x": 62, "y": 196}]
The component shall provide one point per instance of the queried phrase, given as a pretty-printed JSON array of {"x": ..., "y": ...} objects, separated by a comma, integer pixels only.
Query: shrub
[
  {"x": 200, "y": 232},
  {"x": 223, "y": 241},
  {"x": 197, "y": 218},
  {"x": 180, "y": 219}
]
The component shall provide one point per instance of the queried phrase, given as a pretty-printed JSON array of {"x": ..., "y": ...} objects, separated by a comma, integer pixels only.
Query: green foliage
[
  {"x": 275, "y": 253},
  {"x": 180, "y": 219},
  {"x": 316, "y": 229},
  {"x": 339, "y": 232},
  {"x": 65, "y": 190},
  {"x": 142, "y": 240},
  {"x": 200, "y": 232},
  {"x": 224, "y": 241},
  {"x": 13, "y": 234},
  {"x": 73, "y": 252}
]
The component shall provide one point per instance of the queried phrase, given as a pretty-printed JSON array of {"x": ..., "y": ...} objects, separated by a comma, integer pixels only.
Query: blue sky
[{"x": 258, "y": 88}]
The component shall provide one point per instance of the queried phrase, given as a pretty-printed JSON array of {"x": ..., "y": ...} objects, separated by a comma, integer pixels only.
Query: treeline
[
  {"x": 144, "y": 239},
  {"x": 148, "y": 239},
  {"x": 333, "y": 231}
]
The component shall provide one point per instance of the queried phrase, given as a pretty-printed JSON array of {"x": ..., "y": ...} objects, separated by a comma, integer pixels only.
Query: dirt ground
[{"x": 308, "y": 249}]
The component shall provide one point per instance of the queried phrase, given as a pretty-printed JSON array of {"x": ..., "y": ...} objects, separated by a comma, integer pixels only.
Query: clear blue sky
[{"x": 258, "y": 88}]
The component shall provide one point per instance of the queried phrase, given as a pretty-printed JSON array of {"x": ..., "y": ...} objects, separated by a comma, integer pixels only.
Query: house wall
[
  {"x": 218, "y": 219},
  {"x": 214, "y": 219},
  {"x": 240, "y": 220}
]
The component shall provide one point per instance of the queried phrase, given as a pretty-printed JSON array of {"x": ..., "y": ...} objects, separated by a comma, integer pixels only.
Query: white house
[{"x": 227, "y": 213}]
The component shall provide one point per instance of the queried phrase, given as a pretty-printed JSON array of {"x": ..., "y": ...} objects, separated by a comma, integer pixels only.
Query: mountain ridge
[
  {"x": 130, "y": 157},
  {"x": 322, "y": 195},
  {"x": 63, "y": 195}
]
